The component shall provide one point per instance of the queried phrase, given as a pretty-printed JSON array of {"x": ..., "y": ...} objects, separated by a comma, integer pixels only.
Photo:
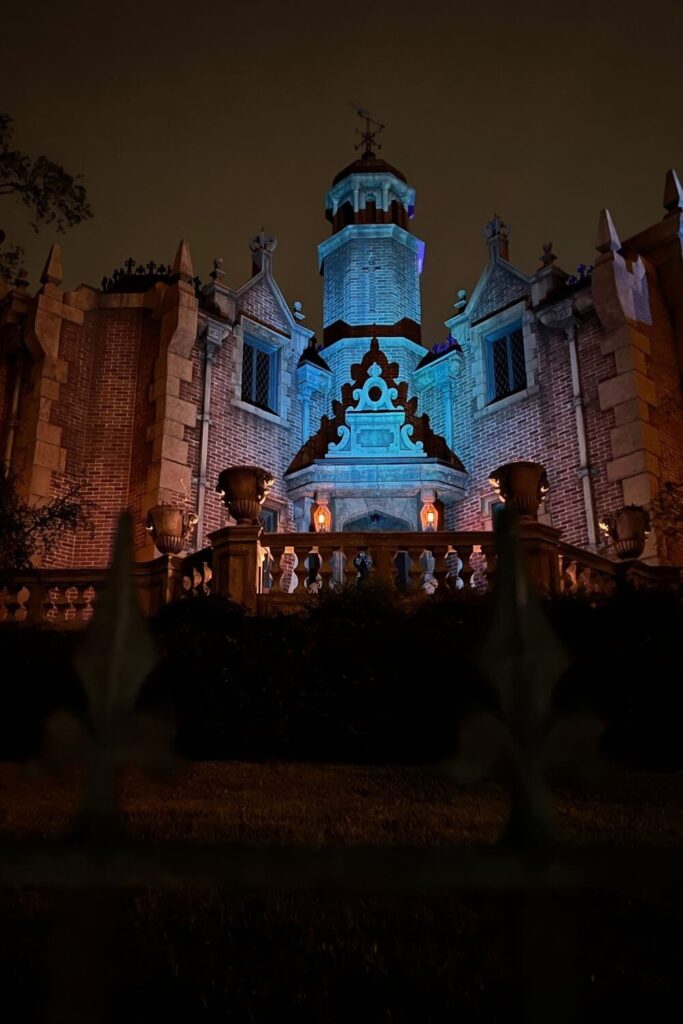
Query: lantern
[
  {"x": 429, "y": 517},
  {"x": 322, "y": 518}
]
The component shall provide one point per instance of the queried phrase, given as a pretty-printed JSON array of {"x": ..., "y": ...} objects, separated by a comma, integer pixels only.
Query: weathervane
[{"x": 367, "y": 136}]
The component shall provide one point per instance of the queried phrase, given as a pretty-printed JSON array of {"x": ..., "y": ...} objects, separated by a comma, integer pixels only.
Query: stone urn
[
  {"x": 170, "y": 527},
  {"x": 627, "y": 529},
  {"x": 521, "y": 485},
  {"x": 243, "y": 489}
]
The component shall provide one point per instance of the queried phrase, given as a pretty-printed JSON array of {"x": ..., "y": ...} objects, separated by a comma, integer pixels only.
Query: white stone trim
[
  {"x": 371, "y": 231},
  {"x": 507, "y": 317},
  {"x": 283, "y": 345},
  {"x": 356, "y": 187},
  {"x": 454, "y": 322},
  {"x": 503, "y": 403}
]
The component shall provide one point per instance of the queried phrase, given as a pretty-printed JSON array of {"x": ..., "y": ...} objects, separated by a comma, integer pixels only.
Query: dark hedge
[{"x": 363, "y": 679}]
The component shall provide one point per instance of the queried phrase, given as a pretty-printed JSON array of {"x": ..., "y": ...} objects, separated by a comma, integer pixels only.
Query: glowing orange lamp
[
  {"x": 429, "y": 517},
  {"x": 322, "y": 519}
]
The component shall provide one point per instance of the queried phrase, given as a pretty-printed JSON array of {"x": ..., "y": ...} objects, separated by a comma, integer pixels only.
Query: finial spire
[
  {"x": 368, "y": 134},
  {"x": 52, "y": 271},
  {"x": 182, "y": 265},
  {"x": 547, "y": 257},
  {"x": 608, "y": 237},
  {"x": 497, "y": 234},
  {"x": 262, "y": 248},
  {"x": 673, "y": 192}
]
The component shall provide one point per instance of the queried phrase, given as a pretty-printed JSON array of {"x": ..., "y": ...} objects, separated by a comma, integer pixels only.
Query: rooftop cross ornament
[{"x": 367, "y": 135}]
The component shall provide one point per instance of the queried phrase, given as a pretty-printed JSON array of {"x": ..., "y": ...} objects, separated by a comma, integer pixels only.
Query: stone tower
[
  {"x": 371, "y": 264},
  {"x": 374, "y": 458}
]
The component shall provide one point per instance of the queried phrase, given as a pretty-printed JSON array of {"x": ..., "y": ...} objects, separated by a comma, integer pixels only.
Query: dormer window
[
  {"x": 259, "y": 374},
  {"x": 505, "y": 361}
]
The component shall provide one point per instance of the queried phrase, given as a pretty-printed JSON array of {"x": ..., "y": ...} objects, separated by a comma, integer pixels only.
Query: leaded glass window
[
  {"x": 269, "y": 518},
  {"x": 506, "y": 363},
  {"x": 259, "y": 374}
]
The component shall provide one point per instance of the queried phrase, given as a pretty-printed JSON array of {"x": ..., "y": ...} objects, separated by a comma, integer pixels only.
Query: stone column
[
  {"x": 169, "y": 476},
  {"x": 38, "y": 438},
  {"x": 620, "y": 294},
  {"x": 158, "y": 582},
  {"x": 236, "y": 564},
  {"x": 540, "y": 545}
]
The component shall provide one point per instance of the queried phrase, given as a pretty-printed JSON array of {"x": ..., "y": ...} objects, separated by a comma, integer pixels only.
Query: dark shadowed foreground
[
  {"x": 209, "y": 954},
  {"x": 218, "y": 802},
  {"x": 324, "y": 892}
]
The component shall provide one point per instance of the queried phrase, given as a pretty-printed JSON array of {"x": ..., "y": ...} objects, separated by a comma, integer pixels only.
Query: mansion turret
[{"x": 144, "y": 389}]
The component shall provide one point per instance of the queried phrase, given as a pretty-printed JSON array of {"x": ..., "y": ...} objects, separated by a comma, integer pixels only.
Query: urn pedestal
[
  {"x": 627, "y": 529},
  {"x": 243, "y": 489},
  {"x": 522, "y": 486},
  {"x": 170, "y": 527}
]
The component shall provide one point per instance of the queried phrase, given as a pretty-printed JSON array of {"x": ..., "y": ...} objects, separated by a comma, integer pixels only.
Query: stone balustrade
[
  {"x": 414, "y": 563},
  {"x": 270, "y": 573},
  {"x": 67, "y": 598},
  {"x": 590, "y": 574},
  {"x": 583, "y": 572}
]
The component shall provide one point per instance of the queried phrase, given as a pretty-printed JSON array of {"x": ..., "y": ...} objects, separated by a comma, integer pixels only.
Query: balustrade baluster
[
  {"x": 28, "y": 605},
  {"x": 325, "y": 570},
  {"x": 478, "y": 565},
  {"x": 465, "y": 553},
  {"x": 400, "y": 561},
  {"x": 489, "y": 550},
  {"x": 384, "y": 567},
  {"x": 439, "y": 548},
  {"x": 351, "y": 551},
  {"x": 89, "y": 596},
  {"x": 289, "y": 578},
  {"x": 453, "y": 564},
  {"x": 276, "y": 551},
  {"x": 308, "y": 571},
  {"x": 338, "y": 567},
  {"x": 429, "y": 582},
  {"x": 415, "y": 569},
  {"x": 71, "y": 597}
]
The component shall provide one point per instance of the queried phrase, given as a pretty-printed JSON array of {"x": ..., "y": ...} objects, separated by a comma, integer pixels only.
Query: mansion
[{"x": 144, "y": 389}]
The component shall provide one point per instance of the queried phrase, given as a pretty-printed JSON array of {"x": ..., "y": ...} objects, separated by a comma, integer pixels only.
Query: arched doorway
[{"x": 377, "y": 521}]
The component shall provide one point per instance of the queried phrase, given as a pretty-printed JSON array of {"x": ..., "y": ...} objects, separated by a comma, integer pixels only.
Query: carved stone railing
[
  {"x": 196, "y": 576},
  {"x": 300, "y": 564},
  {"x": 591, "y": 574},
  {"x": 67, "y": 598},
  {"x": 64, "y": 598},
  {"x": 270, "y": 573},
  {"x": 584, "y": 572}
]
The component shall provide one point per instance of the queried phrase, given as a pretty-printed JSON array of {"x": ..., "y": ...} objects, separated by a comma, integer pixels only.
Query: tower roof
[{"x": 369, "y": 163}]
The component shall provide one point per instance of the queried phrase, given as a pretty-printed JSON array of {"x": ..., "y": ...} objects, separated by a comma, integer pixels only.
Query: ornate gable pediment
[
  {"x": 375, "y": 426},
  {"x": 499, "y": 286},
  {"x": 375, "y": 418}
]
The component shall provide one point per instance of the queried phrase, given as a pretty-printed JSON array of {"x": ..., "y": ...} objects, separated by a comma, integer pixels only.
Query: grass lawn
[
  {"x": 327, "y": 804},
  {"x": 205, "y": 955}
]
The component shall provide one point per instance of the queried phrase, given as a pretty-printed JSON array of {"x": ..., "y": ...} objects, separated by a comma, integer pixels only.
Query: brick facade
[{"x": 114, "y": 383}]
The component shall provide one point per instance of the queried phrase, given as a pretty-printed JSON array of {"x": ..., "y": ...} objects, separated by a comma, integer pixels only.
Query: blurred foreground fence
[{"x": 549, "y": 881}]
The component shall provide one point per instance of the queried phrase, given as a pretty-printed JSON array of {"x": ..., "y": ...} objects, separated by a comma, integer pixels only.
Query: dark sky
[{"x": 209, "y": 120}]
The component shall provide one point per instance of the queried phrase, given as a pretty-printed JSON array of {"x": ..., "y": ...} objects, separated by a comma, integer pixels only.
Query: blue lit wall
[{"x": 371, "y": 275}]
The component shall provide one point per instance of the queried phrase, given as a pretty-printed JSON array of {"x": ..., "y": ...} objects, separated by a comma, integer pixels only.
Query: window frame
[
  {"x": 506, "y": 331},
  {"x": 270, "y": 511},
  {"x": 273, "y": 353}
]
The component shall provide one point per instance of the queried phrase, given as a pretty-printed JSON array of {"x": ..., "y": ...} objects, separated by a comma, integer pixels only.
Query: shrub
[{"x": 363, "y": 678}]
